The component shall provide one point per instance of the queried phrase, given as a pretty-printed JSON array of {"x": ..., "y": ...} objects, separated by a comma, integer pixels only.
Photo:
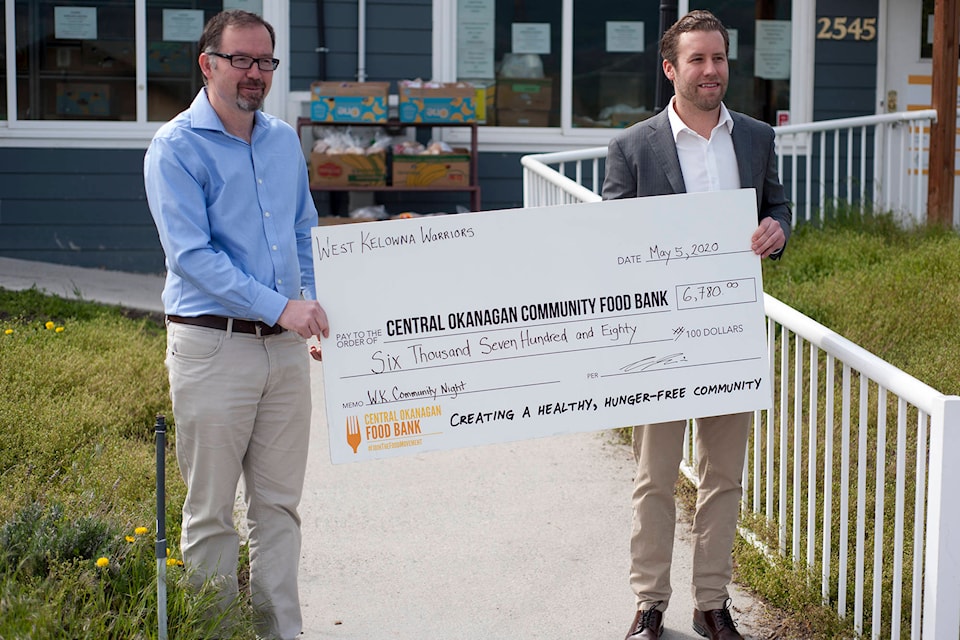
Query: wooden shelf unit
[{"x": 395, "y": 127}]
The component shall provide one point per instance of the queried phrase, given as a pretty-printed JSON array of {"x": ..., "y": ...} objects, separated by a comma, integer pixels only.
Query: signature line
[{"x": 683, "y": 366}]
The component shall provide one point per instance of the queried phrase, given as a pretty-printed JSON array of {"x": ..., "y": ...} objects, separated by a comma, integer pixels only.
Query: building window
[
  {"x": 81, "y": 60},
  {"x": 926, "y": 30},
  {"x": 173, "y": 75},
  {"x": 602, "y": 56},
  {"x": 760, "y": 50},
  {"x": 615, "y": 62},
  {"x": 75, "y": 60},
  {"x": 3, "y": 65},
  {"x": 513, "y": 50}
]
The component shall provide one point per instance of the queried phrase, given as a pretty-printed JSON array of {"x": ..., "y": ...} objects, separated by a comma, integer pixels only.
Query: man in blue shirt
[{"x": 228, "y": 190}]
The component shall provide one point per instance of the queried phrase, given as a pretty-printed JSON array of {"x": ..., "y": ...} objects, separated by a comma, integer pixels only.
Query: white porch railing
[
  {"x": 848, "y": 475},
  {"x": 867, "y": 515},
  {"x": 878, "y": 161}
]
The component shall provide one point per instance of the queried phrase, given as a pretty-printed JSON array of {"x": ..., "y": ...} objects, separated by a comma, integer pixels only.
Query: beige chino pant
[
  {"x": 658, "y": 448},
  {"x": 242, "y": 407}
]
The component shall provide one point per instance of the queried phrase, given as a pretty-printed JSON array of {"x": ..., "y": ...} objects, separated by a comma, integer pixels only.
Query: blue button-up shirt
[{"x": 234, "y": 218}]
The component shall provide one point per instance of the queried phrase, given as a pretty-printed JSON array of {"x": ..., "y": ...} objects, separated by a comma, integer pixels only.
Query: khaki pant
[
  {"x": 658, "y": 448},
  {"x": 242, "y": 407}
]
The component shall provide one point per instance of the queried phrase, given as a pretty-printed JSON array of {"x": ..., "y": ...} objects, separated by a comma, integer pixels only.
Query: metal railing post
[
  {"x": 160, "y": 429},
  {"x": 941, "y": 592}
]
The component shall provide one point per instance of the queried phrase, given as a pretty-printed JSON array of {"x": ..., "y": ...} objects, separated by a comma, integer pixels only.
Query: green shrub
[{"x": 37, "y": 538}]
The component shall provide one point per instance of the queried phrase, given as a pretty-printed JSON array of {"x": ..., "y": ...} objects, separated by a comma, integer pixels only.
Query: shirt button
[
  {"x": 279, "y": 280},
  {"x": 274, "y": 247},
  {"x": 259, "y": 180},
  {"x": 266, "y": 214}
]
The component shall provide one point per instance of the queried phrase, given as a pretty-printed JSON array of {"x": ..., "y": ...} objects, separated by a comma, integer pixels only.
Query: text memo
[{"x": 459, "y": 330}]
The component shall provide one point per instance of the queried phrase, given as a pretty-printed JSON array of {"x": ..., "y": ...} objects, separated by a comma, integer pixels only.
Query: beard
[
  {"x": 703, "y": 102},
  {"x": 249, "y": 101}
]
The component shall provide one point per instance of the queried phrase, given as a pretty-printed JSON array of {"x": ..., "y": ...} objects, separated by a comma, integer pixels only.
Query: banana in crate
[
  {"x": 436, "y": 166},
  {"x": 339, "y": 159}
]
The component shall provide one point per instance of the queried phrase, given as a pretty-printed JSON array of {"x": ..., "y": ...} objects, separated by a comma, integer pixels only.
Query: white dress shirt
[{"x": 707, "y": 165}]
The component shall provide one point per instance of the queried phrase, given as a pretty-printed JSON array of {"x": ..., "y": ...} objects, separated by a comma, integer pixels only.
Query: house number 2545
[{"x": 846, "y": 28}]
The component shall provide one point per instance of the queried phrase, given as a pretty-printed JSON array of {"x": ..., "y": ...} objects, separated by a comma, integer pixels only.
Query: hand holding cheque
[{"x": 469, "y": 329}]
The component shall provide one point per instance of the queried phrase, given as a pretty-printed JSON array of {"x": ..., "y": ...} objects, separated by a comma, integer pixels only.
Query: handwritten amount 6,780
[{"x": 716, "y": 293}]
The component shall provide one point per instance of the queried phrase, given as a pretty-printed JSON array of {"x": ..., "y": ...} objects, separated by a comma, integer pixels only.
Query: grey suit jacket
[{"x": 642, "y": 161}]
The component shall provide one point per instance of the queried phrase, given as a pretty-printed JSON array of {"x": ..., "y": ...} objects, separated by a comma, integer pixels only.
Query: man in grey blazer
[{"x": 694, "y": 144}]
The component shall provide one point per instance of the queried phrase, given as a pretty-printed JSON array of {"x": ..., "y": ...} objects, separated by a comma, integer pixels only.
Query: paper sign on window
[
  {"x": 624, "y": 37},
  {"x": 75, "y": 23},
  {"x": 182, "y": 25},
  {"x": 531, "y": 37}
]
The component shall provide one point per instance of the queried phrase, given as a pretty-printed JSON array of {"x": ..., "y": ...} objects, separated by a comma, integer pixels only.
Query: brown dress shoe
[
  {"x": 647, "y": 624},
  {"x": 716, "y": 624}
]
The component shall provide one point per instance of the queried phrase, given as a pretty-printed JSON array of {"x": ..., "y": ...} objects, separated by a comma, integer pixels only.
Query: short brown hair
[
  {"x": 698, "y": 20},
  {"x": 213, "y": 31}
]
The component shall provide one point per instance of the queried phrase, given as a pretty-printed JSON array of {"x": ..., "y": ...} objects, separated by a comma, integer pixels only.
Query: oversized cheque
[{"x": 460, "y": 330}]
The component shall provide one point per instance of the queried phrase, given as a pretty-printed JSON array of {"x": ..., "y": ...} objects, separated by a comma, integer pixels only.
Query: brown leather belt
[{"x": 239, "y": 326}]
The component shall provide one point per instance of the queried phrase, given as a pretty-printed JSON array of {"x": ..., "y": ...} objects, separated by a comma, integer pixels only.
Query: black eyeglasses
[{"x": 245, "y": 62}]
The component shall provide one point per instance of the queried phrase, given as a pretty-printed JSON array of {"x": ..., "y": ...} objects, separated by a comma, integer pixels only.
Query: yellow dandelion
[
  {"x": 172, "y": 562},
  {"x": 102, "y": 562},
  {"x": 168, "y": 552},
  {"x": 129, "y": 538},
  {"x": 140, "y": 531},
  {"x": 59, "y": 329},
  {"x": 50, "y": 325},
  {"x": 179, "y": 563},
  {"x": 8, "y": 332}
]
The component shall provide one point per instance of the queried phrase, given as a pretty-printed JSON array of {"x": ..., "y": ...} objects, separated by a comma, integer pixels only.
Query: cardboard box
[
  {"x": 83, "y": 99},
  {"x": 437, "y": 101},
  {"x": 348, "y": 169},
  {"x": 486, "y": 93},
  {"x": 324, "y": 221},
  {"x": 443, "y": 170},
  {"x": 522, "y": 118},
  {"x": 525, "y": 93},
  {"x": 349, "y": 101}
]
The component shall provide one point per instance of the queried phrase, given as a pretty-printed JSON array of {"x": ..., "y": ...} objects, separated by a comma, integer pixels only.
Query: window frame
[
  {"x": 123, "y": 135},
  {"x": 566, "y": 136},
  {"x": 291, "y": 105}
]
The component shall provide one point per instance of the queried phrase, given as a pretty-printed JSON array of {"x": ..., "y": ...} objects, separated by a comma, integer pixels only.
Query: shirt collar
[
  {"x": 677, "y": 125},
  {"x": 202, "y": 115}
]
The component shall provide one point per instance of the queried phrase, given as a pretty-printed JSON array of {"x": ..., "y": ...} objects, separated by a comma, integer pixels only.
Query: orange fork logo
[{"x": 353, "y": 432}]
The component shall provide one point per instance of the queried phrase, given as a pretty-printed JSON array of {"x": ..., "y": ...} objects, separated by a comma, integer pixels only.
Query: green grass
[
  {"x": 82, "y": 386},
  {"x": 892, "y": 291},
  {"x": 78, "y": 408},
  {"x": 889, "y": 290}
]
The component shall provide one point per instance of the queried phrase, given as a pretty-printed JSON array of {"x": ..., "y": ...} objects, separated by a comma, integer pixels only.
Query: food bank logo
[
  {"x": 384, "y": 430},
  {"x": 353, "y": 432}
]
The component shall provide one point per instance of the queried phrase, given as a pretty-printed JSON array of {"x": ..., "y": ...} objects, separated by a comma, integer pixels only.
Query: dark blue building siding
[
  {"x": 845, "y": 85},
  {"x": 845, "y": 71},
  {"x": 398, "y": 43},
  {"x": 77, "y": 206}
]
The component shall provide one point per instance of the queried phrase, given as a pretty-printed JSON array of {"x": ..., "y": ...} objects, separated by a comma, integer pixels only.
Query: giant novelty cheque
[{"x": 459, "y": 330}]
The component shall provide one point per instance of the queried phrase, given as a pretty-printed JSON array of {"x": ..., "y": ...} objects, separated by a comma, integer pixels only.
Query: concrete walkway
[{"x": 521, "y": 541}]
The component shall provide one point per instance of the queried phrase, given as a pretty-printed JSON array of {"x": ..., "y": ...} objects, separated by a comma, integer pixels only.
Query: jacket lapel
[
  {"x": 665, "y": 148},
  {"x": 743, "y": 148}
]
